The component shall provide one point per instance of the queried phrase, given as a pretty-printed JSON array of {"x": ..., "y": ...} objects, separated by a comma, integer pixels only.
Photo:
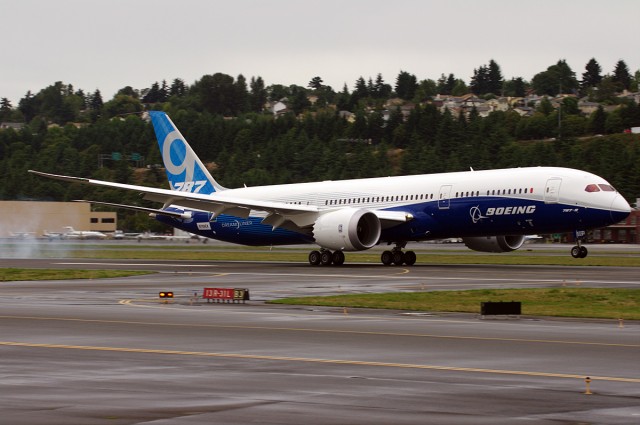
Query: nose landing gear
[{"x": 579, "y": 251}]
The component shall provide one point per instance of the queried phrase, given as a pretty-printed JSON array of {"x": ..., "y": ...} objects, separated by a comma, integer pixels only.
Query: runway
[{"x": 107, "y": 351}]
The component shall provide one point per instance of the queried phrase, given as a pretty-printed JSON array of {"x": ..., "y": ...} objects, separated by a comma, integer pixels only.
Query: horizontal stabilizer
[{"x": 173, "y": 214}]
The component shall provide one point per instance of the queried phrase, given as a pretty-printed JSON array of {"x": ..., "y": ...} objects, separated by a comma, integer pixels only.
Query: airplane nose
[{"x": 619, "y": 209}]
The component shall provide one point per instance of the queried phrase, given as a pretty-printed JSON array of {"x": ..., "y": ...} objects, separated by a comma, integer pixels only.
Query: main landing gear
[
  {"x": 397, "y": 257},
  {"x": 326, "y": 258}
]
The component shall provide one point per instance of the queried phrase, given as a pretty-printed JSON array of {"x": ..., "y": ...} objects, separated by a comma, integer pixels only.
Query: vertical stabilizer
[{"x": 185, "y": 171}]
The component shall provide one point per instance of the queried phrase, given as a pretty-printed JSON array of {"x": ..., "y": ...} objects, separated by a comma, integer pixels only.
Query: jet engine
[
  {"x": 494, "y": 243},
  {"x": 347, "y": 229}
]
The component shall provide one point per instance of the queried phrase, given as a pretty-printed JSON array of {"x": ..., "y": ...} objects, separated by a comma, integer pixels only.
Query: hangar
[{"x": 34, "y": 218}]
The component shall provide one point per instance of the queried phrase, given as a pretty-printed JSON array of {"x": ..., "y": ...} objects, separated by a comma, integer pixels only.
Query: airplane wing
[
  {"x": 217, "y": 203},
  {"x": 277, "y": 212}
]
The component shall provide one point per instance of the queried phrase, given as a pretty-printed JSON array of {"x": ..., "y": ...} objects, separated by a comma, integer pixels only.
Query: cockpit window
[
  {"x": 607, "y": 188},
  {"x": 592, "y": 188}
]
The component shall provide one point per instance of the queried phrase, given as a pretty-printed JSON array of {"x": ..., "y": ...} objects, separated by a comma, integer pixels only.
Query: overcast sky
[{"x": 110, "y": 44}]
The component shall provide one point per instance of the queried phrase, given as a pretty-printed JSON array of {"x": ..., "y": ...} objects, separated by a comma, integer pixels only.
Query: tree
[
  {"x": 128, "y": 91},
  {"x": 343, "y": 101},
  {"x": 153, "y": 95},
  {"x": 315, "y": 83},
  {"x": 240, "y": 100},
  {"x": 607, "y": 90},
  {"x": 215, "y": 93},
  {"x": 257, "y": 94},
  {"x": 5, "y": 109},
  {"x": 556, "y": 79},
  {"x": 178, "y": 88},
  {"x": 516, "y": 87},
  {"x": 121, "y": 105},
  {"x": 446, "y": 84},
  {"x": 592, "y": 76},
  {"x": 381, "y": 90},
  {"x": 478, "y": 83},
  {"x": 459, "y": 89},
  {"x": 495, "y": 80},
  {"x": 597, "y": 121},
  {"x": 299, "y": 101},
  {"x": 406, "y": 85},
  {"x": 360, "y": 92},
  {"x": 487, "y": 79},
  {"x": 621, "y": 75}
]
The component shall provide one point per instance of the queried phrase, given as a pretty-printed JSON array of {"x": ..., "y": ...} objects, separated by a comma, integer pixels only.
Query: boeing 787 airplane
[{"x": 491, "y": 210}]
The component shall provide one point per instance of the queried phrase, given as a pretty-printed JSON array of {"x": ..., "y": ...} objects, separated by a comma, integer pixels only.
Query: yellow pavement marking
[
  {"x": 311, "y": 330},
  {"x": 318, "y": 360}
]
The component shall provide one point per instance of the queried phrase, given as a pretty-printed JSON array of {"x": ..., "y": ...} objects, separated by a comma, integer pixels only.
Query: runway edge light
[{"x": 166, "y": 294}]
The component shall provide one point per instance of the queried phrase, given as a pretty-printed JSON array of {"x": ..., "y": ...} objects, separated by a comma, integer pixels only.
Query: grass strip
[
  {"x": 560, "y": 302},
  {"x": 15, "y": 274},
  {"x": 355, "y": 257}
]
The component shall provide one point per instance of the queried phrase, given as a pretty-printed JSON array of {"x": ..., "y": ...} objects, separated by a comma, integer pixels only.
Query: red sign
[{"x": 218, "y": 293}]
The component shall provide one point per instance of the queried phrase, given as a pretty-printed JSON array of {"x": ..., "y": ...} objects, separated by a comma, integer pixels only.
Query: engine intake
[
  {"x": 494, "y": 243},
  {"x": 347, "y": 229}
]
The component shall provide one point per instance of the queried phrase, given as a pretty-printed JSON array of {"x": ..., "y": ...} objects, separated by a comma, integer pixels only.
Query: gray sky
[{"x": 109, "y": 44}]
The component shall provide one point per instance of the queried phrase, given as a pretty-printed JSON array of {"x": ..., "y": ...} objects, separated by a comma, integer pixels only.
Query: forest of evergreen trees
[{"x": 226, "y": 123}]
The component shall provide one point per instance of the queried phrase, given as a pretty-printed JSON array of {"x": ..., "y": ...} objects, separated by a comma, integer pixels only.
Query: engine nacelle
[
  {"x": 348, "y": 229},
  {"x": 494, "y": 243}
]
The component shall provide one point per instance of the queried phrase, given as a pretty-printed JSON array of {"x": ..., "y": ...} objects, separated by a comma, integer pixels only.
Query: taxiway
[{"x": 108, "y": 351}]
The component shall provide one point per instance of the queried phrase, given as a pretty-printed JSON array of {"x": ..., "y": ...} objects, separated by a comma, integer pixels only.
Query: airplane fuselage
[{"x": 519, "y": 201}]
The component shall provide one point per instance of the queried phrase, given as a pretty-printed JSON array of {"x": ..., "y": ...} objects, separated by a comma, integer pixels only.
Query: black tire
[
  {"x": 338, "y": 258},
  {"x": 326, "y": 257},
  {"x": 583, "y": 251},
  {"x": 575, "y": 252},
  {"x": 386, "y": 258},
  {"x": 398, "y": 258},
  {"x": 314, "y": 258},
  {"x": 410, "y": 258}
]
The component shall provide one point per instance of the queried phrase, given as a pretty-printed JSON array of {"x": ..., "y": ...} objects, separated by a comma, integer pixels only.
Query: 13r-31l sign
[{"x": 225, "y": 294}]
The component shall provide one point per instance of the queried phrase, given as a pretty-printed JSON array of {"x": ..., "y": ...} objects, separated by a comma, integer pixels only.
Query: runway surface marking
[
  {"x": 134, "y": 264},
  {"x": 318, "y": 360},
  {"x": 399, "y": 274},
  {"x": 336, "y": 331}
]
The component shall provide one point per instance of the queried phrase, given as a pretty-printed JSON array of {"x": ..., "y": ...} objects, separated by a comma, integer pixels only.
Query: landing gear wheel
[
  {"x": 583, "y": 251},
  {"x": 398, "y": 258},
  {"x": 410, "y": 258},
  {"x": 314, "y": 258},
  {"x": 326, "y": 257},
  {"x": 575, "y": 252},
  {"x": 579, "y": 251},
  {"x": 386, "y": 258},
  {"x": 338, "y": 258}
]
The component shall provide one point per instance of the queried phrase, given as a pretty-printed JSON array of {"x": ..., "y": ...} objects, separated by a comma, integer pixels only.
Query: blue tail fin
[{"x": 185, "y": 171}]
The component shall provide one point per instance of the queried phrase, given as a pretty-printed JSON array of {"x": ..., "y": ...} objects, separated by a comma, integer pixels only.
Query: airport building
[
  {"x": 37, "y": 219},
  {"x": 626, "y": 231}
]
